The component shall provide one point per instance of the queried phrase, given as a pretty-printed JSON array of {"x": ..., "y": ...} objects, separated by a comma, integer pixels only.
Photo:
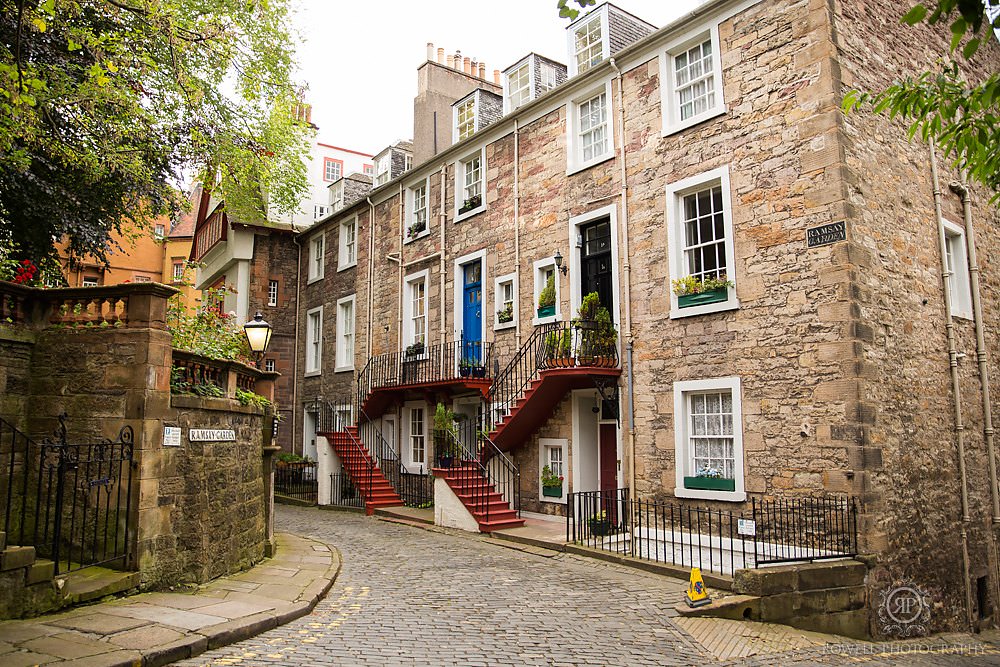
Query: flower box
[
  {"x": 546, "y": 311},
  {"x": 552, "y": 491},
  {"x": 710, "y": 483},
  {"x": 711, "y": 296}
]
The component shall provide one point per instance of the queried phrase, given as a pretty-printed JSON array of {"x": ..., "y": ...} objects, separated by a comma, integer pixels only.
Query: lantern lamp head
[{"x": 258, "y": 333}]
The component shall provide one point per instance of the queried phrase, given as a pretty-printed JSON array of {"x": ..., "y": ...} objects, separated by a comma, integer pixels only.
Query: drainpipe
[
  {"x": 517, "y": 229},
  {"x": 441, "y": 261},
  {"x": 295, "y": 346},
  {"x": 371, "y": 273},
  {"x": 984, "y": 369},
  {"x": 627, "y": 266},
  {"x": 955, "y": 387}
]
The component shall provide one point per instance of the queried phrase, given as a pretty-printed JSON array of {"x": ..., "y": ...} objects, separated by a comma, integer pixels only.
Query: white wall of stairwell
[
  {"x": 449, "y": 510},
  {"x": 327, "y": 463}
]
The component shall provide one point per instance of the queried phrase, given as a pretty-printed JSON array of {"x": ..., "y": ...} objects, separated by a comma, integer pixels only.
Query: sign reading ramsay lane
[{"x": 211, "y": 435}]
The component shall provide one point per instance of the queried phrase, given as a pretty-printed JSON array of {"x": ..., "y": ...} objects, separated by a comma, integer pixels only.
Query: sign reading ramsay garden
[{"x": 211, "y": 435}]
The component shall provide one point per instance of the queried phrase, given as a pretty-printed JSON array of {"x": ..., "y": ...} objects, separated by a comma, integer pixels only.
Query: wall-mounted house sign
[
  {"x": 212, "y": 435},
  {"x": 171, "y": 436},
  {"x": 826, "y": 234}
]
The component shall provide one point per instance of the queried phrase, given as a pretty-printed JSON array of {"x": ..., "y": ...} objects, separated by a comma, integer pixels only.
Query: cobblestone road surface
[{"x": 408, "y": 596}]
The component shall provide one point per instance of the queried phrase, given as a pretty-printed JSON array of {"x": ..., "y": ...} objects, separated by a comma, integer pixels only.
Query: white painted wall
[
  {"x": 449, "y": 510},
  {"x": 354, "y": 161}
]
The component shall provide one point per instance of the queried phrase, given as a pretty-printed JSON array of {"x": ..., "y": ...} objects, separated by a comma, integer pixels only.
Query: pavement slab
[{"x": 153, "y": 629}]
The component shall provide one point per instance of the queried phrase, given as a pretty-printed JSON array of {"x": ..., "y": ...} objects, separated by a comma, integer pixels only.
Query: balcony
[
  {"x": 461, "y": 365},
  {"x": 209, "y": 234}
]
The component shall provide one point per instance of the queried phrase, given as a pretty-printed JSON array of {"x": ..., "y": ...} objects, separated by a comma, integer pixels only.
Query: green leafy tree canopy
[{"x": 106, "y": 105}]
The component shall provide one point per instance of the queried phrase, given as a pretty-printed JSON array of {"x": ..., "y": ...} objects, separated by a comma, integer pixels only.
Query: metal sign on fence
[{"x": 746, "y": 527}]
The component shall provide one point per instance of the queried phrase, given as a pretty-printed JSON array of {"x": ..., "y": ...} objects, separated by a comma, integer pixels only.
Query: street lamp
[{"x": 258, "y": 333}]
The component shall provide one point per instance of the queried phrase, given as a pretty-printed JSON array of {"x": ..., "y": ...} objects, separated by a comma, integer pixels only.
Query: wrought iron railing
[
  {"x": 343, "y": 492},
  {"x": 511, "y": 383},
  {"x": 715, "y": 540},
  {"x": 580, "y": 344},
  {"x": 71, "y": 501},
  {"x": 422, "y": 364},
  {"x": 296, "y": 480},
  {"x": 481, "y": 469},
  {"x": 338, "y": 421}
]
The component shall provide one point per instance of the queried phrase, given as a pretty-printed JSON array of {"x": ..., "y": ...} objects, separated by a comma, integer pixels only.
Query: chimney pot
[
  {"x": 467, "y": 65},
  {"x": 482, "y": 71},
  {"x": 451, "y": 60},
  {"x": 496, "y": 77},
  {"x": 440, "y": 56},
  {"x": 430, "y": 51}
]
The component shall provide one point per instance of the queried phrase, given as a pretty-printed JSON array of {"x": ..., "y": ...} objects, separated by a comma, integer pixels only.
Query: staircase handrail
[
  {"x": 382, "y": 451},
  {"x": 488, "y": 450},
  {"x": 510, "y": 383},
  {"x": 331, "y": 421},
  {"x": 470, "y": 478}
]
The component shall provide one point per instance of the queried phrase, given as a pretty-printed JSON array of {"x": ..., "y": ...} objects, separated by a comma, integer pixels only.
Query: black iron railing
[
  {"x": 423, "y": 364},
  {"x": 337, "y": 420},
  {"x": 343, "y": 492},
  {"x": 296, "y": 480},
  {"x": 511, "y": 383},
  {"x": 715, "y": 540},
  {"x": 481, "y": 469},
  {"x": 579, "y": 344},
  {"x": 71, "y": 501},
  {"x": 416, "y": 489}
]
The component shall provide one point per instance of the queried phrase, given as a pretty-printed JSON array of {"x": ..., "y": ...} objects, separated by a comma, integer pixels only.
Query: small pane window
[
  {"x": 269, "y": 365},
  {"x": 418, "y": 218},
  {"x": 383, "y": 167},
  {"x": 316, "y": 250},
  {"x": 472, "y": 184},
  {"x": 587, "y": 44},
  {"x": 694, "y": 80},
  {"x": 593, "y": 117},
  {"x": 272, "y": 292},
  {"x": 160, "y": 231},
  {"x": 519, "y": 86},
  {"x": 90, "y": 281},
  {"x": 418, "y": 314},
  {"x": 711, "y": 434},
  {"x": 548, "y": 78},
  {"x": 348, "y": 243},
  {"x": 345, "y": 333},
  {"x": 332, "y": 169},
  {"x": 417, "y": 448},
  {"x": 178, "y": 271},
  {"x": 314, "y": 340},
  {"x": 704, "y": 234},
  {"x": 465, "y": 119}
]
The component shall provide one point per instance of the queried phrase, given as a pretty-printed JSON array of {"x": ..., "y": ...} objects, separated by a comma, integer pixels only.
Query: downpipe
[{"x": 956, "y": 390}]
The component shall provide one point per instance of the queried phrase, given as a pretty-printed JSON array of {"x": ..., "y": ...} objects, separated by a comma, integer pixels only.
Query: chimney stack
[
  {"x": 496, "y": 77},
  {"x": 430, "y": 51},
  {"x": 467, "y": 64},
  {"x": 440, "y": 56},
  {"x": 451, "y": 61},
  {"x": 482, "y": 70}
]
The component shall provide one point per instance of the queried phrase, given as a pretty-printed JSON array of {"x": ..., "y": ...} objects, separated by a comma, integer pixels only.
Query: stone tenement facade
[{"x": 716, "y": 147}]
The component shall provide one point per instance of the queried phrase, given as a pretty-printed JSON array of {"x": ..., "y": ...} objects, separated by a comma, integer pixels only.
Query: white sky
[{"x": 360, "y": 57}]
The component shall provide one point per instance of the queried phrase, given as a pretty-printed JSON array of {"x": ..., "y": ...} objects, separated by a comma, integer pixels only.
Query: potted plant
[
  {"x": 415, "y": 229},
  {"x": 413, "y": 351},
  {"x": 691, "y": 291},
  {"x": 709, "y": 479},
  {"x": 600, "y": 524},
  {"x": 557, "y": 344},
  {"x": 445, "y": 436},
  {"x": 585, "y": 323},
  {"x": 470, "y": 203},
  {"x": 506, "y": 314},
  {"x": 605, "y": 340},
  {"x": 551, "y": 484},
  {"x": 547, "y": 298},
  {"x": 465, "y": 367}
]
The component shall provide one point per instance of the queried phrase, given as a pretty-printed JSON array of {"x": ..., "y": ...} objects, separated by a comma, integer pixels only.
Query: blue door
[{"x": 472, "y": 313}]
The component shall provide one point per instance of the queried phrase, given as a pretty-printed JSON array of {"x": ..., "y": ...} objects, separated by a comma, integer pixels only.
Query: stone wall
[
  {"x": 202, "y": 506},
  {"x": 15, "y": 374}
]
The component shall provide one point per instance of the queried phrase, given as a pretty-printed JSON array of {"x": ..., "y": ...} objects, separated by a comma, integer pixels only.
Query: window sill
[
  {"x": 674, "y": 128},
  {"x": 314, "y": 279},
  {"x": 962, "y": 315},
  {"x": 538, "y": 321},
  {"x": 311, "y": 374},
  {"x": 551, "y": 499},
  {"x": 411, "y": 239},
  {"x": 344, "y": 369},
  {"x": 502, "y": 326},
  {"x": 468, "y": 214},
  {"x": 346, "y": 266},
  {"x": 737, "y": 496},
  {"x": 677, "y": 313},
  {"x": 576, "y": 168}
]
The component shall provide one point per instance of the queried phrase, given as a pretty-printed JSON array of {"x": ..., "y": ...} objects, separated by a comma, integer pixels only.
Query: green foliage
[
  {"x": 557, "y": 343},
  {"x": 505, "y": 314},
  {"x": 547, "y": 297},
  {"x": 588, "y": 307},
  {"x": 178, "y": 385},
  {"x": 567, "y": 12},
  {"x": 549, "y": 479},
  {"x": 208, "y": 332},
  {"x": 103, "y": 103},
  {"x": 288, "y": 457},
  {"x": 962, "y": 118},
  {"x": 252, "y": 399},
  {"x": 692, "y": 285}
]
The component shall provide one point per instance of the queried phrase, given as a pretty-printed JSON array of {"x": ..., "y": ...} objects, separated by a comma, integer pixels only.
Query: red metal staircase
[
  {"x": 480, "y": 497},
  {"x": 364, "y": 471}
]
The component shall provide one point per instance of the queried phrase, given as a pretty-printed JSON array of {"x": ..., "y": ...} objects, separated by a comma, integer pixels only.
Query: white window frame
[
  {"x": 314, "y": 342},
  {"x": 345, "y": 353},
  {"x": 178, "y": 278},
  {"x": 409, "y": 335},
  {"x": 958, "y": 264},
  {"x": 269, "y": 365},
  {"x": 508, "y": 104},
  {"x": 327, "y": 177},
  {"x": 498, "y": 300},
  {"x": 159, "y": 230},
  {"x": 544, "y": 446},
  {"x": 337, "y": 195},
  {"x": 683, "y": 463},
  {"x": 411, "y": 210},
  {"x": 382, "y": 176},
  {"x": 542, "y": 85},
  {"x": 538, "y": 271},
  {"x": 574, "y": 146},
  {"x": 409, "y": 461},
  {"x": 675, "y": 238},
  {"x": 272, "y": 293},
  {"x": 347, "y": 253},
  {"x": 456, "y": 112},
  {"x": 669, "y": 102},
  {"x": 90, "y": 281},
  {"x": 460, "y": 168},
  {"x": 600, "y": 14},
  {"x": 317, "y": 264}
]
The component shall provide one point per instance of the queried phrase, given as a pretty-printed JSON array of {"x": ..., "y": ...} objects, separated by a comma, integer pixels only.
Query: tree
[
  {"x": 963, "y": 118},
  {"x": 106, "y": 105},
  {"x": 567, "y": 12}
]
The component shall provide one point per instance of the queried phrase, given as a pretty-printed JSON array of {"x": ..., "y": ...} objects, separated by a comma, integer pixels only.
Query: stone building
[{"x": 829, "y": 356}]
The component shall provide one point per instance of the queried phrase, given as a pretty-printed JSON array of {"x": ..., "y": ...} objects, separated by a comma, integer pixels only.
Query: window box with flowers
[
  {"x": 552, "y": 485},
  {"x": 547, "y": 298},
  {"x": 693, "y": 292},
  {"x": 505, "y": 315},
  {"x": 415, "y": 230},
  {"x": 710, "y": 479},
  {"x": 470, "y": 204}
]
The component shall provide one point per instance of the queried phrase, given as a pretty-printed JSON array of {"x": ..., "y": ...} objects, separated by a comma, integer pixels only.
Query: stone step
[
  {"x": 93, "y": 583},
  {"x": 41, "y": 570},
  {"x": 12, "y": 558}
]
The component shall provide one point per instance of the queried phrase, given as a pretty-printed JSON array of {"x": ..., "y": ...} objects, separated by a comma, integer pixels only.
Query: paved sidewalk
[{"x": 158, "y": 628}]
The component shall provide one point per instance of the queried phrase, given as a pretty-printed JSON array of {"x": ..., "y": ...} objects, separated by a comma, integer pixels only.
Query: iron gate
[{"x": 71, "y": 501}]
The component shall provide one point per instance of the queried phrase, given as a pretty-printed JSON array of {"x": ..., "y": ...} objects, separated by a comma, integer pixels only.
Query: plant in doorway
[
  {"x": 445, "y": 436},
  {"x": 552, "y": 484},
  {"x": 599, "y": 524}
]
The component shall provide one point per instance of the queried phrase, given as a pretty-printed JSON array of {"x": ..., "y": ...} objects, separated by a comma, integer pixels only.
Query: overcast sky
[{"x": 360, "y": 57}]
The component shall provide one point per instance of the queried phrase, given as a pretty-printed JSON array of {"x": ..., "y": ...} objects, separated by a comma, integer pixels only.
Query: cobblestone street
[{"x": 409, "y": 596}]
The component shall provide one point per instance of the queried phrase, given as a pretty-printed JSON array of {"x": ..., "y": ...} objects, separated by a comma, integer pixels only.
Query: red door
[{"x": 608, "y": 446}]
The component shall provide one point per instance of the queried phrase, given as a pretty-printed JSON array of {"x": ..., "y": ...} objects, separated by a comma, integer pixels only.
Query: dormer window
[
  {"x": 383, "y": 166},
  {"x": 588, "y": 45},
  {"x": 548, "y": 77},
  {"x": 465, "y": 119},
  {"x": 519, "y": 86},
  {"x": 332, "y": 169},
  {"x": 337, "y": 196}
]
